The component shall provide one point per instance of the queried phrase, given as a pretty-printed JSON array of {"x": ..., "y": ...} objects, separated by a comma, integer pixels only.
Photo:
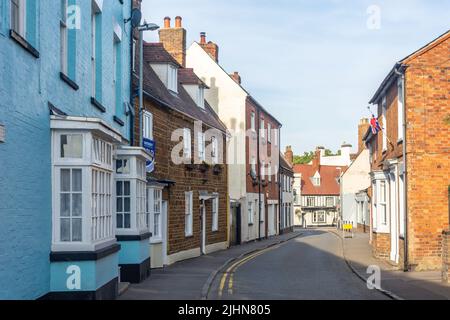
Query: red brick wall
[
  {"x": 165, "y": 122},
  {"x": 428, "y": 154},
  {"x": 381, "y": 245}
]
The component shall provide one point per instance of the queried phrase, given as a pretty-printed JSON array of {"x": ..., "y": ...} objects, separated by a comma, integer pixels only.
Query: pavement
[
  {"x": 399, "y": 285},
  {"x": 191, "y": 279}
]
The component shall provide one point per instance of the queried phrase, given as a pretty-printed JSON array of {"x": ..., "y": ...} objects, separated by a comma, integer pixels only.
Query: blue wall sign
[{"x": 150, "y": 146}]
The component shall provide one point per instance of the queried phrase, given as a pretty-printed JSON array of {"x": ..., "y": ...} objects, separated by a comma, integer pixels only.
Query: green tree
[{"x": 305, "y": 158}]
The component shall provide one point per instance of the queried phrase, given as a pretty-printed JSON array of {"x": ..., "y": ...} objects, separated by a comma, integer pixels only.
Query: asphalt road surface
[{"x": 309, "y": 267}]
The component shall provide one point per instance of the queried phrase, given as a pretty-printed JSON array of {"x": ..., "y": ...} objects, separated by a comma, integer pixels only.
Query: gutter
[{"x": 400, "y": 71}]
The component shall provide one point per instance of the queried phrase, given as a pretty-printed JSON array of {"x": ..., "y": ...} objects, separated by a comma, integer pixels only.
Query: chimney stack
[
  {"x": 174, "y": 39},
  {"x": 362, "y": 129},
  {"x": 316, "y": 161},
  {"x": 211, "y": 48},
  {"x": 289, "y": 155},
  {"x": 236, "y": 77}
]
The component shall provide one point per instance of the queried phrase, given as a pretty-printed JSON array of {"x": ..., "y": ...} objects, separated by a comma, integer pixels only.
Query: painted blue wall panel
[
  {"x": 31, "y": 22},
  {"x": 134, "y": 252},
  {"x": 25, "y": 163},
  {"x": 98, "y": 58}
]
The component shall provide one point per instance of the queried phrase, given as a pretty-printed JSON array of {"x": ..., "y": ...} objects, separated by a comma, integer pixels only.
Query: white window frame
[
  {"x": 328, "y": 200},
  {"x": 400, "y": 104},
  {"x": 214, "y": 150},
  {"x": 172, "y": 78},
  {"x": 147, "y": 121},
  {"x": 263, "y": 170},
  {"x": 310, "y": 201},
  {"x": 189, "y": 217},
  {"x": 253, "y": 164},
  {"x": 269, "y": 171},
  {"x": 253, "y": 121},
  {"x": 156, "y": 220},
  {"x": 215, "y": 214},
  {"x": 382, "y": 202},
  {"x": 122, "y": 197},
  {"x": 201, "y": 146},
  {"x": 19, "y": 26},
  {"x": 269, "y": 132},
  {"x": 262, "y": 129},
  {"x": 187, "y": 144},
  {"x": 316, "y": 217},
  {"x": 384, "y": 111},
  {"x": 201, "y": 97}
]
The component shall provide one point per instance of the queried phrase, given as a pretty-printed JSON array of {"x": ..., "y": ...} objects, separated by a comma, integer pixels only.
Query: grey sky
[{"x": 314, "y": 64}]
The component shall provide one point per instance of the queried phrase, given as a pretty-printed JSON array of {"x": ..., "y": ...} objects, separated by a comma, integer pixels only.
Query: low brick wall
[
  {"x": 363, "y": 228},
  {"x": 381, "y": 245}
]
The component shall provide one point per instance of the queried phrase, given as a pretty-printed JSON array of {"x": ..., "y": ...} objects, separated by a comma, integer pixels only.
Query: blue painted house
[{"x": 65, "y": 123}]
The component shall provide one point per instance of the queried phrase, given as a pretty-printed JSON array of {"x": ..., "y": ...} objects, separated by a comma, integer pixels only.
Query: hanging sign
[{"x": 150, "y": 147}]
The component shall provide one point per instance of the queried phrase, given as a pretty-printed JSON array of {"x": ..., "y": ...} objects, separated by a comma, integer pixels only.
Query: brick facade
[{"x": 381, "y": 245}]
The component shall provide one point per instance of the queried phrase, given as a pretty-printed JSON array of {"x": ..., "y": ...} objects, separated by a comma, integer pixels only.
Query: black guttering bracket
[
  {"x": 24, "y": 43},
  {"x": 84, "y": 255},
  {"x": 138, "y": 237},
  {"x": 118, "y": 121}
]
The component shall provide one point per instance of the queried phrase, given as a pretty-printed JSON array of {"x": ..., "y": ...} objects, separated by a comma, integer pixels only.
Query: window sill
[
  {"x": 156, "y": 241},
  {"x": 118, "y": 121},
  {"x": 187, "y": 236},
  {"x": 399, "y": 141},
  {"x": 98, "y": 105},
  {"x": 24, "y": 44},
  {"x": 70, "y": 82}
]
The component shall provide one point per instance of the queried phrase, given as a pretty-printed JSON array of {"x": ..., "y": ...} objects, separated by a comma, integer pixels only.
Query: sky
[{"x": 313, "y": 64}]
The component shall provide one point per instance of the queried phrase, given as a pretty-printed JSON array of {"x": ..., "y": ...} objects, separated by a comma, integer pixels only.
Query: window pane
[
  {"x": 65, "y": 205},
  {"x": 127, "y": 221},
  {"x": 119, "y": 205},
  {"x": 76, "y": 205},
  {"x": 119, "y": 185},
  {"x": 76, "y": 229},
  {"x": 65, "y": 230},
  {"x": 76, "y": 180},
  {"x": 126, "y": 188},
  {"x": 65, "y": 180},
  {"x": 126, "y": 206},
  {"x": 72, "y": 146},
  {"x": 120, "y": 221}
]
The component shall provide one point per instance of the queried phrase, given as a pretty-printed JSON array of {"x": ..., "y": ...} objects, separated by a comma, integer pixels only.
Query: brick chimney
[
  {"x": 316, "y": 160},
  {"x": 362, "y": 129},
  {"x": 289, "y": 155},
  {"x": 174, "y": 39},
  {"x": 210, "y": 47},
  {"x": 236, "y": 77}
]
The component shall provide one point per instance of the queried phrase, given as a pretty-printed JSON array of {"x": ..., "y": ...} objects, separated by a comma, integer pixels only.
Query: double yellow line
[{"x": 229, "y": 273}]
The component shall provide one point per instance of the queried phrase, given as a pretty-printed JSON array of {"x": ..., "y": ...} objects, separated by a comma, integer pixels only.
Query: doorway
[{"x": 393, "y": 218}]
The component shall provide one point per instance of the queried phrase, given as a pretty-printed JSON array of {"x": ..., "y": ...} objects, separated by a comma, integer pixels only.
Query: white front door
[
  {"x": 271, "y": 221},
  {"x": 393, "y": 218}
]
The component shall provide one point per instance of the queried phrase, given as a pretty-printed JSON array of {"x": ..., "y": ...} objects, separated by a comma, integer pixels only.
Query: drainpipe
[
  {"x": 401, "y": 74},
  {"x": 131, "y": 81}
]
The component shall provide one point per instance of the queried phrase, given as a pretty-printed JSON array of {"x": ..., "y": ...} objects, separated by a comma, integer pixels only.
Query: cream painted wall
[
  {"x": 355, "y": 179},
  {"x": 228, "y": 99}
]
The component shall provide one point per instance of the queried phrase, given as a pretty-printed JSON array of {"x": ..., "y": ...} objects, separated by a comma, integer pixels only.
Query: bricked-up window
[
  {"x": 269, "y": 171},
  {"x": 384, "y": 109},
  {"x": 250, "y": 212},
  {"x": 263, "y": 170},
  {"x": 71, "y": 205},
  {"x": 215, "y": 150},
  {"x": 269, "y": 133},
  {"x": 18, "y": 16},
  {"x": 400, "y": 108},
  {"x": 123, "y": 204},
  {"x": 253, "y": 165},
  {"x": 187, "y": 144},
  {"x": 215, "y": 214},
  {"x": 188, "y": 199},
  {"x": 262, "y": 129}
]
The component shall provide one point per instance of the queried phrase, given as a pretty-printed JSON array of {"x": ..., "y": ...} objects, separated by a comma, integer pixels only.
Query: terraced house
[
  {"x": 410, "y": 167},
  {"x": 65, "y": 118},
  {"x": 188, "y": 189}
]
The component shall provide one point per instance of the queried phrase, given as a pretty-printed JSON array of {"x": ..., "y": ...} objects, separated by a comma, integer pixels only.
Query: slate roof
[
  {"x": 155, "y": 53},
  {"x": 187, "y": 76},
  {"x": 155, "y": 90},
  {"x": 329, "y": 179}
]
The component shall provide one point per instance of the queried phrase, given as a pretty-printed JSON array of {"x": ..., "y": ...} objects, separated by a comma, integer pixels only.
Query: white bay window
[{"x": 215, "y": 214}]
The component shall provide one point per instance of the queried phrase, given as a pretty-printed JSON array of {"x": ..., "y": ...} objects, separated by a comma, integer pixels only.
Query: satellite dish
[{"x": 136, "y": 17}]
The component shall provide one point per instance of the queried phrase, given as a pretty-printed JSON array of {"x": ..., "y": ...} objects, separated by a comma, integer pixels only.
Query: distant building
[
  {"x": 286, "y": 192},
  {"x": 319, "y": 199}
]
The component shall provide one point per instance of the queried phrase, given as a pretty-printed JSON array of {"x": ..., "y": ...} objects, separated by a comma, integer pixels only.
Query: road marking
[{"x": 232, "y": 269}]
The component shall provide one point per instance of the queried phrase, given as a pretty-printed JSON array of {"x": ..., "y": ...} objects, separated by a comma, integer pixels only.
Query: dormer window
[
  {"x": 172, "y": 78},
  {"x": 316, "y": 180},
  {"x": 201, "y": 97}
]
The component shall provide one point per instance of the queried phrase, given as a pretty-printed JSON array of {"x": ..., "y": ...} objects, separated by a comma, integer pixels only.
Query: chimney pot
[
  {"x": 178, "y": 20},
  {"x": 167, "y": 22},
  {"x": 203, "y": 37}
]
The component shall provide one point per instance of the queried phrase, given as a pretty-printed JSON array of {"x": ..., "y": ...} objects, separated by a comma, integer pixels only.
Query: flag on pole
[{"x": 375, "y": 125}]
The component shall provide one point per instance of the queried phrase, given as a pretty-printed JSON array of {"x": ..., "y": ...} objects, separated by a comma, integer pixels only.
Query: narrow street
[{"x": 308, "y": 267}]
